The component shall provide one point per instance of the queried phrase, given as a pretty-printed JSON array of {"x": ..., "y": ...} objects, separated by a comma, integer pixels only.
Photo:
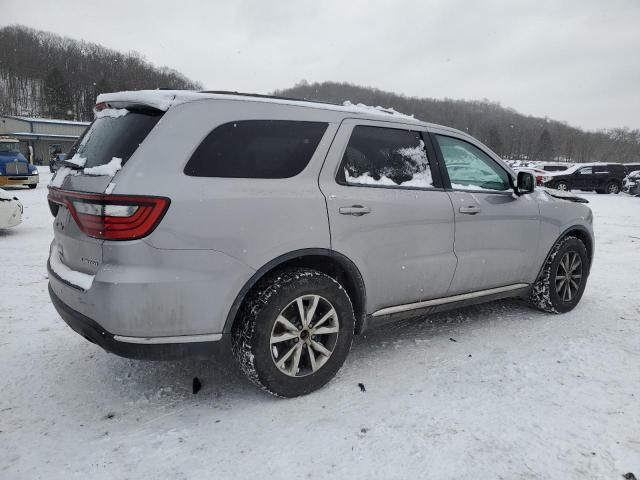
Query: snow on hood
[{"x": 4, "y": 195}]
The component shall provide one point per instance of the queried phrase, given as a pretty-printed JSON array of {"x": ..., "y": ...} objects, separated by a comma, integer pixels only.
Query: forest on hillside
[
  {"x": 510, "y": 134},
  {"x": 46, "y": 75}
]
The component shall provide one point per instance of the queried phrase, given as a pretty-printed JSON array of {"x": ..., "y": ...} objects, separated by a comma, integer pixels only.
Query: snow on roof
[
  {"x": 164, "y": 99},
  {"x": 50, "y": 120}
]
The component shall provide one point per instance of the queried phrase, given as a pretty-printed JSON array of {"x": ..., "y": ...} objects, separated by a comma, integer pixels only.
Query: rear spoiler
[{"x": 158, "y": 99}]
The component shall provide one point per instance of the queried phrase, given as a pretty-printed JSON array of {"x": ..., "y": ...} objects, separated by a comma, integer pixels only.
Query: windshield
[{"x": 9, "y": 147}]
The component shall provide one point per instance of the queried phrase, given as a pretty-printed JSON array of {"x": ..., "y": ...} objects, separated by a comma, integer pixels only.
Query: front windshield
[{"x": 9, "y": 147}]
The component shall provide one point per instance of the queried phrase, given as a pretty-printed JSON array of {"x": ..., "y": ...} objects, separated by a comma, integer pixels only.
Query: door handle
[
  {"x": 357, "y": 210},
  {"x": 470, "y": 210}
]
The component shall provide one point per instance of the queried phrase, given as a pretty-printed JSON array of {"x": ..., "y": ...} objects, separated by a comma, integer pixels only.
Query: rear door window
[
  {"x": 256, "y": 149},
  {"x": 115, "y": 135},
  {"x": 380, "y": 156}
]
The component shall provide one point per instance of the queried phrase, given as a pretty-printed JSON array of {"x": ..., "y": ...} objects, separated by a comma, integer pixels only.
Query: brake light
[{"x": 112, "y": 217}]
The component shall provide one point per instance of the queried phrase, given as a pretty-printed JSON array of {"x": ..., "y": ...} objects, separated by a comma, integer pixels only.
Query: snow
[
  {"x": 165, "y": 99},
  {"x": 111, "y": 113},
  {"x": 110, "y": 188},
  {"x": 519, "y": 394},
  {"x": 468, "y": 186},
  {"x": 78, "y": 279},
  {"x": 77, "y": 160},
  {"x": 60, "y": 175},
  {"x": 417, "y": 163},
  {"x": 376, "y": 110},
  {"x": 109, "y": 169}
]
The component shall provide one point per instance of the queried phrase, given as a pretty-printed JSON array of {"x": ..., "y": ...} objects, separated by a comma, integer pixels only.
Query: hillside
[
  {"x": 46, "y": 75},
  {"x": 507, "y": 132}
]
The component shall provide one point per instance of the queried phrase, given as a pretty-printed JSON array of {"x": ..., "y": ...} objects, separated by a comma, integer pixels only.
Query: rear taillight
[{"x": 112, "y": 217}]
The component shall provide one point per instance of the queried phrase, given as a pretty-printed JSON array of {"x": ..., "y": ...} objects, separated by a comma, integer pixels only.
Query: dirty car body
[{"x": 158, "y": 259}]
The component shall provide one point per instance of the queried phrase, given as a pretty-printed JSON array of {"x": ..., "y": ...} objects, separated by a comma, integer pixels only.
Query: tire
[
  {"x": 562, "y": 185},
  {"x": 613, "y": 187},
  {"x": 549, "y": 293},
  {"x": 33, "y": 186},
  {"x": 271, "y": 365}
]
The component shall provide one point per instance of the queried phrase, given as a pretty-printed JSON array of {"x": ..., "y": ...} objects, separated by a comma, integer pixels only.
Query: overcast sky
[{"x": 575, "y": 61}]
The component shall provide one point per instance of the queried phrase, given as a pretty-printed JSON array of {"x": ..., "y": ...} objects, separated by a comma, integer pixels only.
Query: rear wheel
[
  {"x": 613, "y": 187},
  {"x": 294, "y": 332},
  {"x": 563, "y": 278},
  {"x": 562, "y": 185}
]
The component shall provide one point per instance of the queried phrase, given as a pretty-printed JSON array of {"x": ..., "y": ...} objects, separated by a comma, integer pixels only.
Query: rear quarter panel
[{"x": 252, "y": 220}]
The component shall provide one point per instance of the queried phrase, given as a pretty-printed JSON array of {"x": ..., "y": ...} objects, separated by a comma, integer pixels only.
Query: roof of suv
[{"x": 165, "y": 99}]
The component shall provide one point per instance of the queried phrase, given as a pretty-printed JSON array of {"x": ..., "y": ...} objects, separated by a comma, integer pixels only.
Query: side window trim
[
  {"x": 426, "y": 138},
  {"x": 446, "y": 181}
]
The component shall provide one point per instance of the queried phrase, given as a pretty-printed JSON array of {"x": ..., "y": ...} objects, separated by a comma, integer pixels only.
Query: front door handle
[
  {"x": 357, "y": 210},
  {"x": 470, "y": 210}
]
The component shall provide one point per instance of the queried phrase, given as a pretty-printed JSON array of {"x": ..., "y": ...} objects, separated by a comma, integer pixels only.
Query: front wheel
[
  {"x": 613, "y": 187},
  {"x": 563, "y": 186},
  {"x": 561, "y": 282},
  {"x": 32, "y": 186},
  {"x": 294, "y": 332}
]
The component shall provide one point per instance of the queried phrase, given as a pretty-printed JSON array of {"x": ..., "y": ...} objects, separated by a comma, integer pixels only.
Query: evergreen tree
[{"x": 57, "y": 94}]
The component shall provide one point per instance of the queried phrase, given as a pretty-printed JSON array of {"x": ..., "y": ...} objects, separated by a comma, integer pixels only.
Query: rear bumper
[
  {"x": 94, "y": 332},
  {"x": 9, "y": 180}
]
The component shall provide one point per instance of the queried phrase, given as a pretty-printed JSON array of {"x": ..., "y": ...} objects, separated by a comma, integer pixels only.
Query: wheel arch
[
  {"x": 329, "y": 262},
  {"x": 582, "y": 234}
]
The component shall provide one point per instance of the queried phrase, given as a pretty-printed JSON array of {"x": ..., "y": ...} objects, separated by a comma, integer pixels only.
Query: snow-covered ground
[{"x": 494, "y": 391}]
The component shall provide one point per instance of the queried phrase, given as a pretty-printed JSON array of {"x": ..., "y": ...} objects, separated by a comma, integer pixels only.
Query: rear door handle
[
  {"x": 357, "y": 210},
  {"x": 470, "y": 210}
]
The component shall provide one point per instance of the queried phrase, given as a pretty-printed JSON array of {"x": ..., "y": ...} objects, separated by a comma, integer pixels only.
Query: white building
[{"x": 45, "y": 136}]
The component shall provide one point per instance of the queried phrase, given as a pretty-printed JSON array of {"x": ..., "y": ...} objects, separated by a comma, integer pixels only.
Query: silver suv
[{"x": 184, "y": 219}]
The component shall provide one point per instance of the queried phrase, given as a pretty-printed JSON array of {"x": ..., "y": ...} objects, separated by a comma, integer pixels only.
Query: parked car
[
  {"x": 10, "y": 210},
  {"x": 631, "y": 183},
  {"x": 285, "y": 227},
  {"x": 554, "y": 167},
  {"x": 601, "y": 177},
  {"x": 631, "y": 167},
  {"x": 56, "y": 161},
  {"x": 536, "y": 172},
  {"x": 15, "y": 170}
]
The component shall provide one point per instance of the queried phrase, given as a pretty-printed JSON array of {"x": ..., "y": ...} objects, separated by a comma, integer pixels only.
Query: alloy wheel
[
  {"x": 304, "y": 335},
  {"x": 563, "y": 187},
  {"x": 569, "y": 276}
]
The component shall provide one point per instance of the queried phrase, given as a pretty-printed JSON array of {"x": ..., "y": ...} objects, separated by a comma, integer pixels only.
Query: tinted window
[
  {"x": 470, "y": 168},
  {"x": 585, "y": 171},
  {"x": 109, "y": 137},
  {"x": 256, "y": 149},
  {"x": 385, "y": 156},
  {"x": 601, "y": 169}
]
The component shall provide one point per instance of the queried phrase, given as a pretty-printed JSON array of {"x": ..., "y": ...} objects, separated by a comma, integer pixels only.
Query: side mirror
[{"x": 526, "y": 183}]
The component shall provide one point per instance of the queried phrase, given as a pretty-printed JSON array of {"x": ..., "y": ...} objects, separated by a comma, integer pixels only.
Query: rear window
[
  {"x": 256, "y": 149},
  {"x": 115, "y": 136}
]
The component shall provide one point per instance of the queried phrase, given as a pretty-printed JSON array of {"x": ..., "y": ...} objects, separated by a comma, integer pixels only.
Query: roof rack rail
[{"x": 259, "y": 95}]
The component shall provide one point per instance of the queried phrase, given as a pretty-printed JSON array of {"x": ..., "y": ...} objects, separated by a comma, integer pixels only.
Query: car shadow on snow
[{"x": 221, "y": 381}]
